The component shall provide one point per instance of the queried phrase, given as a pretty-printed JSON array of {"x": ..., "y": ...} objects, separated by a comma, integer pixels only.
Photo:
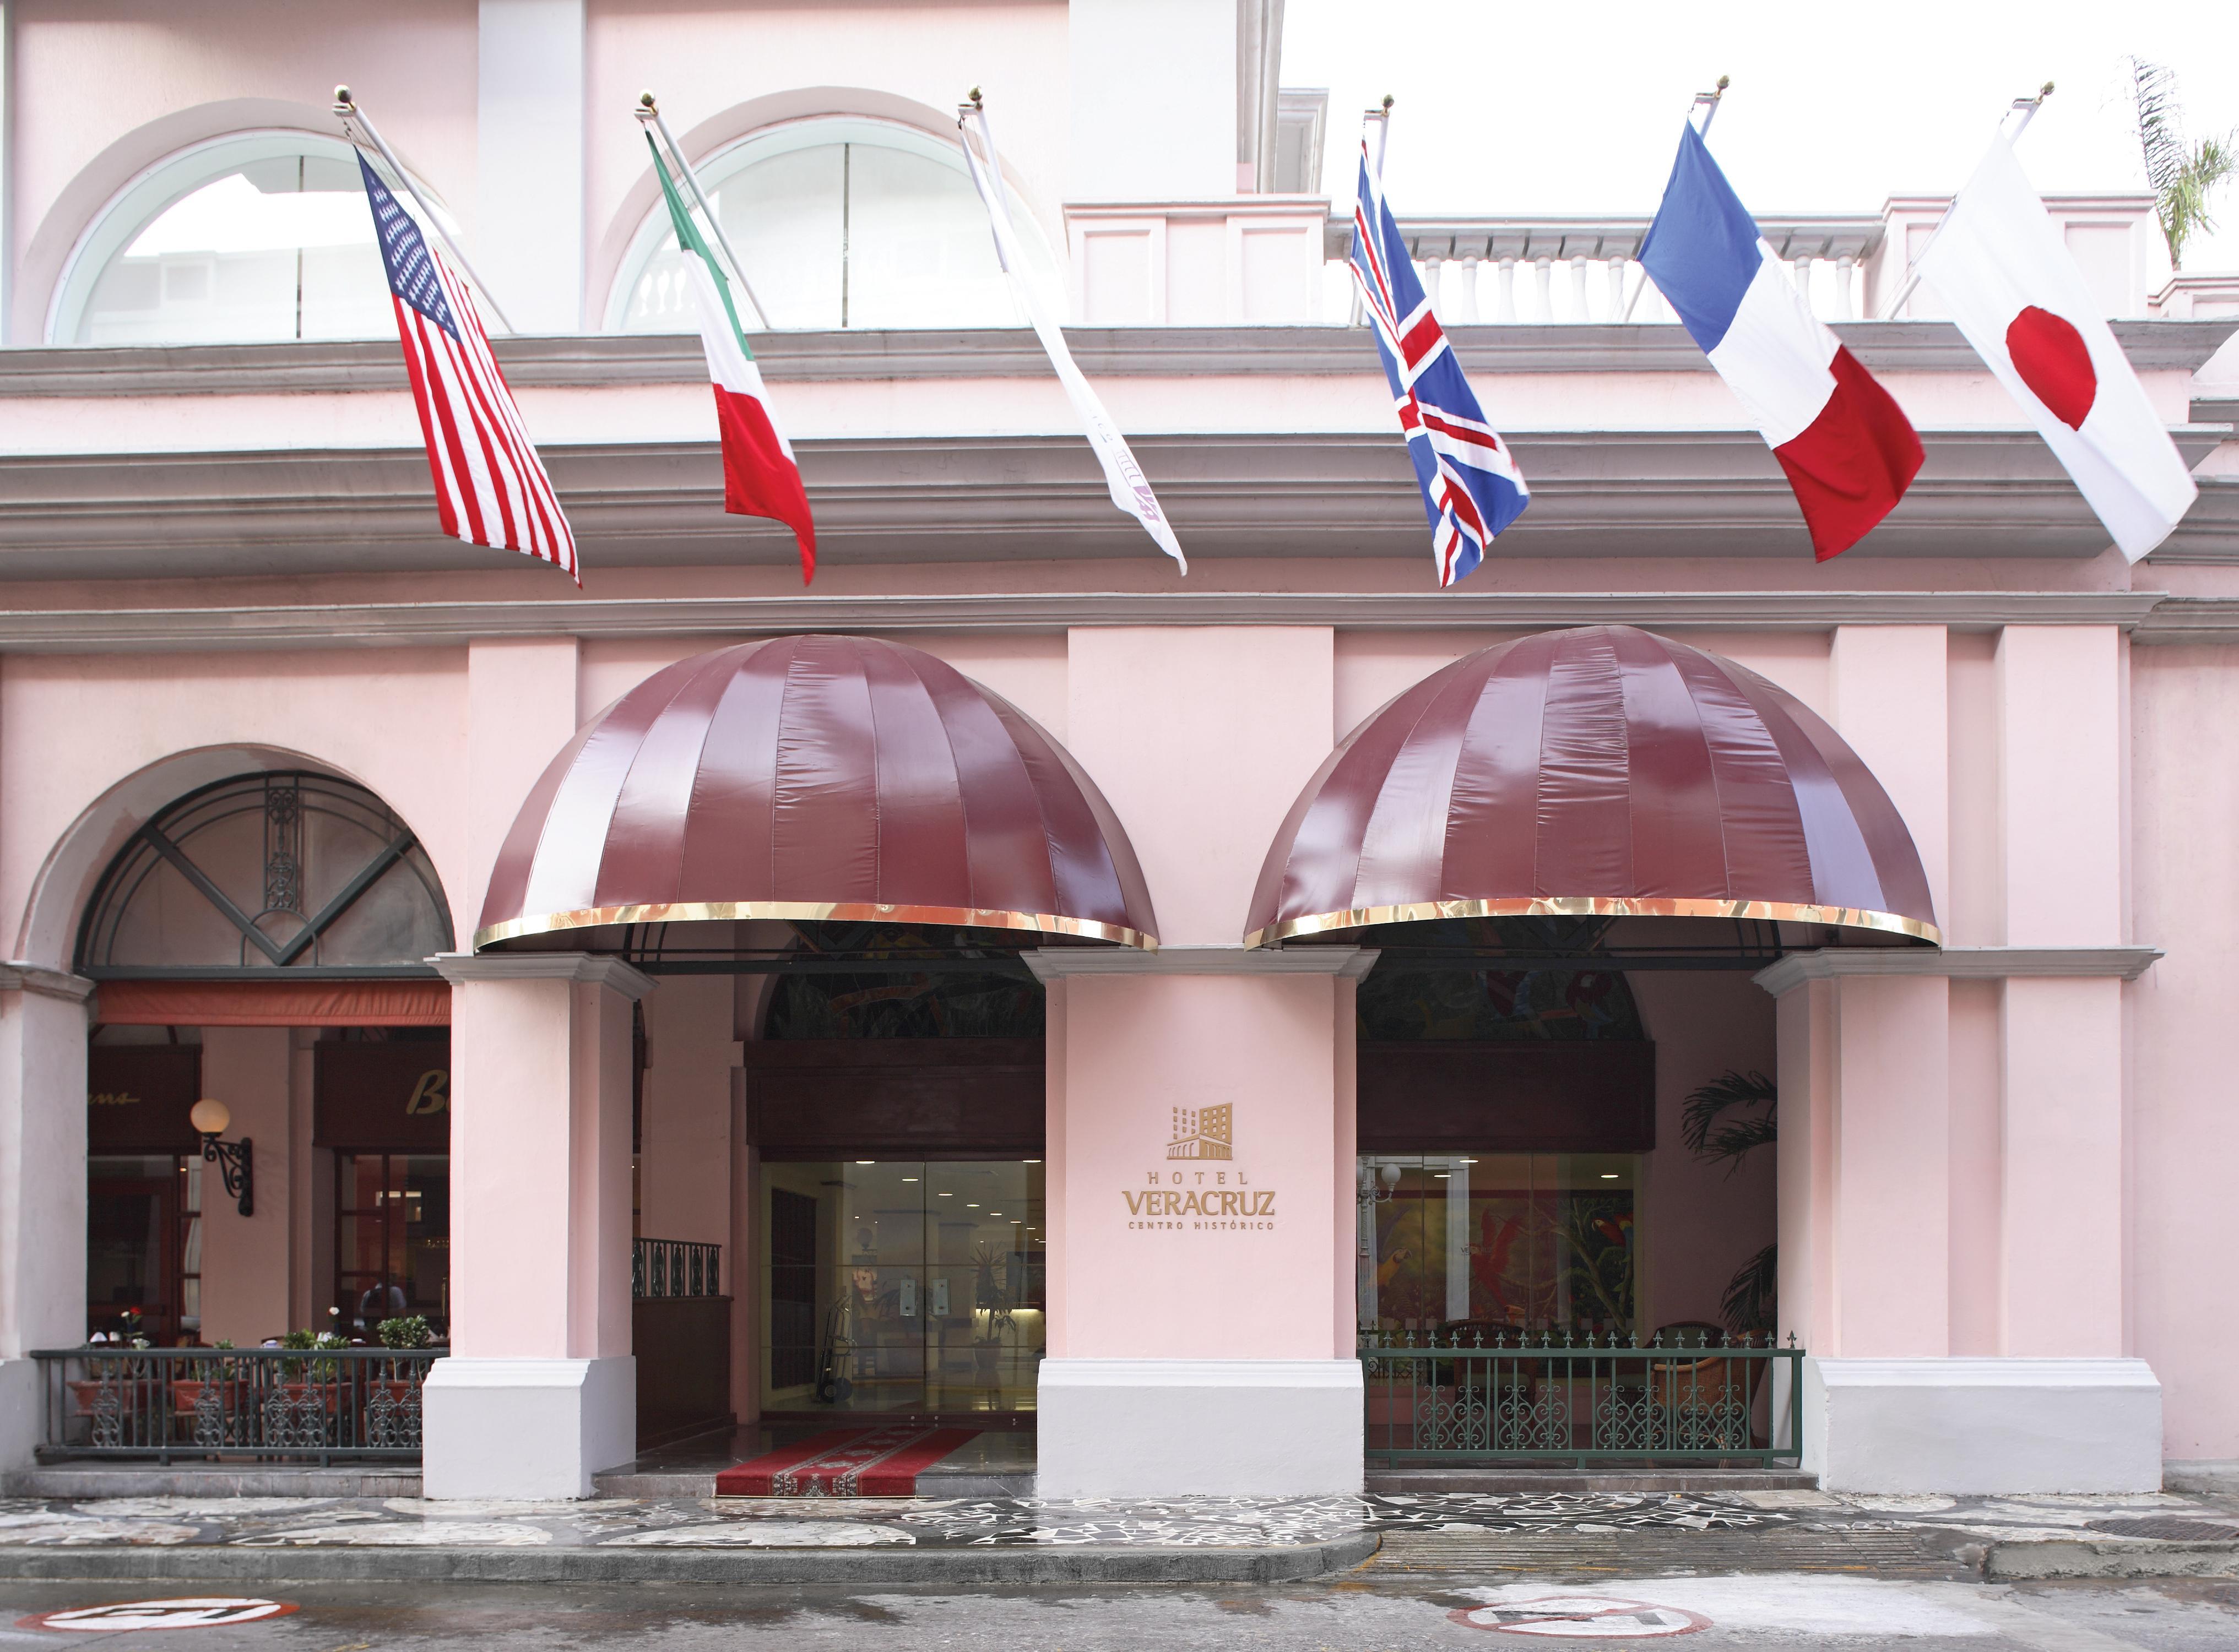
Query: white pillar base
[
  {"x": 1983, "y": 1425},
  {"x": 1168, "y": 1428},
  {"x": 21, "y": 1422},
  {"x": 526, "y": 1428}
]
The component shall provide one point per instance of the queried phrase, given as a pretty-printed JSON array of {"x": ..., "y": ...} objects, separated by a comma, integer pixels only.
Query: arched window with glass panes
[
  {"x": 295, "y": 871},
  {"x": 841, "y": 223},
  {"x": 256, "y": 238}
]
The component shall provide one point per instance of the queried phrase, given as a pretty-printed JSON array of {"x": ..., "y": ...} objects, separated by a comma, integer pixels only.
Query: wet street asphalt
[{"x": 1358, "y": 1612}]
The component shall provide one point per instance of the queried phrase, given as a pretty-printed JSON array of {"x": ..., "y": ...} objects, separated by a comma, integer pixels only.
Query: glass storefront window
[
  {"x": 902, "y": 1286},
  {"x": 1497, "y": 1242},
  {"x": 144, "y": 1246},
  {"x": 392, "y": 1240}
]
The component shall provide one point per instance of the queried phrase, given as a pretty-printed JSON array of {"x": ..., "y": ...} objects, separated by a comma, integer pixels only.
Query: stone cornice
[
  {"x": 576, "y": 362},
  {"x": 1697, "y": 493},
  {"x": 455, "y": 624},
  {"x": 587, "y": 968},
  {"x": 1055, "y": 963},
  {"x": 42, "y": 982},
  {"x": 1959, "y": 963}
]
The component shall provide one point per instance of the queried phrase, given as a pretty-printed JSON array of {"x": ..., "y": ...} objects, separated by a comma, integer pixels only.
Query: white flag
[
  {"x": 2001, "y": 268},
  {"x": 1131, "y": 490}
]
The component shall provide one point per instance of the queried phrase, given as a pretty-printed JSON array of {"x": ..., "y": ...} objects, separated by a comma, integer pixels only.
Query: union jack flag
[
  {"x": 1472, "y": 488},
  {"x": 490, "y": 484}
]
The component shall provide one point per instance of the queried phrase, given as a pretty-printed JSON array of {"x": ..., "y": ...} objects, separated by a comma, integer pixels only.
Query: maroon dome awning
[
  {"x": 1597, "y": 771},
  {"x": 817, "y": 778}
]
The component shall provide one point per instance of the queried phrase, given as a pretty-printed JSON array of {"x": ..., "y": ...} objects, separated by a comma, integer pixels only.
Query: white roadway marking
[
  {"x": 1814, "y": 1604},
  {"x": 1791, "y": 1602},
  {"x": 2043, "y": 1631},
  {"x": 1583, "y": 1617}
]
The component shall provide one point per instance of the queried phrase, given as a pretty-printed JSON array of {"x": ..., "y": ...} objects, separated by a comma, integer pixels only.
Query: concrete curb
[
  {"x": 2020, "y": 1561},
  {"x": 1084, "y": 1564}
]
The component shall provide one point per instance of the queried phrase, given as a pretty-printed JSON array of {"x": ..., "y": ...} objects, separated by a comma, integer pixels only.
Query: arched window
[
  {"x": 248, "y": 239},
  {"x": 853, "y": 224},
  {"x": 266, "y": 872}
]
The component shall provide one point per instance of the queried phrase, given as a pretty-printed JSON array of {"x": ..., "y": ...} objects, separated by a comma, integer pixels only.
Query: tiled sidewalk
[{"x": 1004, "y": 1522}]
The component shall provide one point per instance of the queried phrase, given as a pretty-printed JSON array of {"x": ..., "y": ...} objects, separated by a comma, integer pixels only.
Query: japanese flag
[{"x": 2000, "y": 266}]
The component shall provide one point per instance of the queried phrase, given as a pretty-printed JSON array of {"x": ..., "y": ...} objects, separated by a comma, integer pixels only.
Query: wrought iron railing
[
  {"x": 266, "y": 1405},
  {"x": 1469, "y": 1396},
  {"x": 675, "y": 1268}
]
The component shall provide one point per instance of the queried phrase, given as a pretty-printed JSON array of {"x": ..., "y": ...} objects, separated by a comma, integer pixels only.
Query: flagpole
[
  {"x": 2028, "y": 107},
  {"x": 346, "y": 110},
  {"x": 648, "y": 109},
  {"x": 975, "y": 113},
  {"x": 1713, "y": 99},
  {"x": 1382, "y": 117}
]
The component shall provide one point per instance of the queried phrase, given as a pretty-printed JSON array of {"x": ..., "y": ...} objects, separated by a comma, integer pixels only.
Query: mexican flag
[{"x": 760, "y": 476}]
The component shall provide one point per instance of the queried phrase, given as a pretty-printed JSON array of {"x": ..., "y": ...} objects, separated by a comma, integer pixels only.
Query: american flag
[
  {"x": 1472, "y": 488},
  {"x": 490, "y": 486}
]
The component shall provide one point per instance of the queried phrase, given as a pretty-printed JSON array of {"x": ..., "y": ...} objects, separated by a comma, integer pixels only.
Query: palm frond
[
  {"x": 1751, "y": 1301},
  {"x": 2184, "y": 177},
  {"x": 2160, "y": 121},
  {"x": 1729, "y": 1117}
]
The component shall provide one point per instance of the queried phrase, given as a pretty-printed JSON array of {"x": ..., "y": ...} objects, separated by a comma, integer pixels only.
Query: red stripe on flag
[
  {"x": 758, "y": 479},
  {"x": 446, "y": 509},
  {"x": 439, "y": 402},
  {"x": 1853, "y": 463}
]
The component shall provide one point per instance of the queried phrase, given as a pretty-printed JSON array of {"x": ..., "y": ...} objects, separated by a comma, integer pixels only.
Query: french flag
[{"x": 1848, "y": 451}]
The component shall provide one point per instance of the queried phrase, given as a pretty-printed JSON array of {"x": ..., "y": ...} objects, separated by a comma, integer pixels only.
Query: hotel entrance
[
  {"x": 907, "y": 1286},
  {"x": 896, "y": 1098}
]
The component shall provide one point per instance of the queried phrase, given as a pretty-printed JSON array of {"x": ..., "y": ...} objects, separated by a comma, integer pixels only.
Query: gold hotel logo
[
  {"x": 1186, "y": 1198},
  {"x": 1203, "y": 1132}
]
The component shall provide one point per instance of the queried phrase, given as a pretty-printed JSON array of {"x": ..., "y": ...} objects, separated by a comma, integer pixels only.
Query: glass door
[{"x": 928, "y": 1286}]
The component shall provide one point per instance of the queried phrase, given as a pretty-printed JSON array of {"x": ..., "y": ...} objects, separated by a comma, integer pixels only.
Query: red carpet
[{"x": 844, "y": 1463}]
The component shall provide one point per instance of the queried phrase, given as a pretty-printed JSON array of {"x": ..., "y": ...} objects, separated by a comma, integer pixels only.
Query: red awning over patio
[
  {"x": 1601, "y": 770},
  {"x": 817, "y": 778}
]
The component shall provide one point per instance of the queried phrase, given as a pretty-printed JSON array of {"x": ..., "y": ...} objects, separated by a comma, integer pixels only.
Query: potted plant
[
  {"x": 406, "y": 1334},
  {"x": 115, "y": 1384}
]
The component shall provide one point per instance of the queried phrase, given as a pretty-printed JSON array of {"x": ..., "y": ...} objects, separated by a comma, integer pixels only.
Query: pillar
[
  {"x": 42, "y": 1027},
  {"x": 540, "y": 1391},
  {"x": 1200, "y": 1171},
  {"x": 2062, "y": 754},
  {"x": 528, "y": 237},
  {"x": 248, "y": 1288}
]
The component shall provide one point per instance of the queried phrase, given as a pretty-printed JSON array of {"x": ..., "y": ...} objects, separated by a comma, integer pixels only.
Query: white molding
[
  {"x": 587, "y": 968},
  {"x": 526, "y": 1428},
  {"x": 1981, "y": 1425},
  {"x": 1163, "y": 1428},
  {"x": 1346, "y": 963},
  {"x": 913, "y": 498},
  {"x": 1963, "y": 963},
  {"x": 586, "y": 360},
  {"x": 1202, "y": 1373},
  {"x": 42, "y": 982},
  {"x": 2149, "y": 615},
  {"x": 1999, "y": 1371}
]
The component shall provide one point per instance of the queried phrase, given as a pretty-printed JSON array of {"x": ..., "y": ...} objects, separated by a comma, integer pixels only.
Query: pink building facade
[{"x": 2004, "y": 1139}]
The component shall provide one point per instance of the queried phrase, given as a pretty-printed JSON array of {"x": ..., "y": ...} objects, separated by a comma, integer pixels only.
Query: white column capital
[
  {"x": 1959, "y": 963},
  {"x": 18, "y": 977},
  {"x": 589, "y": 968}
]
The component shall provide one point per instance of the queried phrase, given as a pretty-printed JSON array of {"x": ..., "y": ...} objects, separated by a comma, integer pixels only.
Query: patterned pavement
[{"x": 1730, "y": 1523}]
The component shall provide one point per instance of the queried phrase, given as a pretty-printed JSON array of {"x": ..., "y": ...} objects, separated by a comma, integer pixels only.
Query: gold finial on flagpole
[
  {"x": 1708, "y": 101},
  {"x": 343, "y": 105},
  {"x": 647, "y": 109}
]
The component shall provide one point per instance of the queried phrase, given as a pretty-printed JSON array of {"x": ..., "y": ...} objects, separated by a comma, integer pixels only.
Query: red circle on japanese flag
[{"x": 2055, "y": 362}]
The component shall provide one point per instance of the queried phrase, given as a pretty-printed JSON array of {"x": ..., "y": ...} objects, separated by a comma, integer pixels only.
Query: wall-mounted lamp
[{"x": 235, "y": 1161}]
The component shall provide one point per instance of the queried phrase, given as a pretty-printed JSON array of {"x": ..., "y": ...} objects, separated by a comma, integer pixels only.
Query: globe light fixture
[{"x": 235, "y": 1161}]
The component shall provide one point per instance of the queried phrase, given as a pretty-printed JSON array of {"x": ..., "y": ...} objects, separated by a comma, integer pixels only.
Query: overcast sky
[{"x": 1574, "y": 106}]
